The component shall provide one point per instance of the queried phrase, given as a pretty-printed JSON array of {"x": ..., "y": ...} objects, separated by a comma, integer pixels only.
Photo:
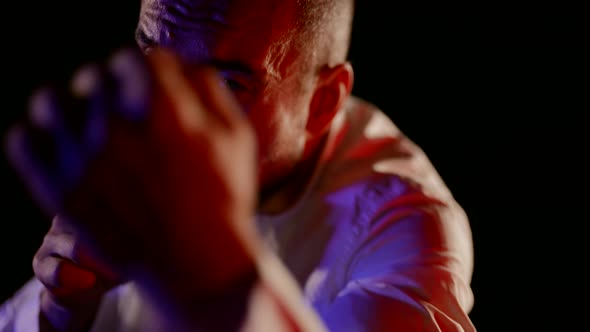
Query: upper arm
[{"x": 410, "y": 272}]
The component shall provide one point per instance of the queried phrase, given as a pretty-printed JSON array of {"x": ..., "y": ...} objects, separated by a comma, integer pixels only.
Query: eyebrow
[
  {"x": 229, "y": 65},
  {"x": 232, "y": 65},
  {"x": 237, "y": 66}
]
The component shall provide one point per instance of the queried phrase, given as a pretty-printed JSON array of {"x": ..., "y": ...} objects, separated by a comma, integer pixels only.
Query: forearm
[
  {"x": 189, "y": 308},
  {"x": 263, "y": 299}
]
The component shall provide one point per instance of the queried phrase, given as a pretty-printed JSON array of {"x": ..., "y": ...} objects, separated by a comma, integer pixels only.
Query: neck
[{"x": 285, "y": 192}]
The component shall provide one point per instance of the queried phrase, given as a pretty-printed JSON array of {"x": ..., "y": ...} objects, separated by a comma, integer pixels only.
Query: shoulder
[
  {"x": 389, "y": 188},
  {"x": 369, "y": 152}
]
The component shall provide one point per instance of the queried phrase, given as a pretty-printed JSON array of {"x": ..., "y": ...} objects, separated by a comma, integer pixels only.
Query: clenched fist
[
  {"x": 75, "y": 279},
  {"x": 154, "y": 164}
]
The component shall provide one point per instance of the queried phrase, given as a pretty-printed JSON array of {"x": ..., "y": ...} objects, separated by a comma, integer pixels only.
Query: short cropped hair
[{"x": 328, "y": 25}]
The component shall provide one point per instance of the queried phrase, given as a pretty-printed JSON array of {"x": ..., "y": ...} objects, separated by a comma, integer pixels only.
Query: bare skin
[
  {"x": 74, "y": 278},
  {"x": 184, "y": 162}
]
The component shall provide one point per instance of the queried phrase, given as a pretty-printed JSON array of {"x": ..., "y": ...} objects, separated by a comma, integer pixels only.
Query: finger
[
  {"x": 215, "y": 96},
  {"x": 38, "y": 179},
  {"x": 131, "y": 74},
  {"x": 98, "y": 225},
  {"x": 138, "y": 165},
  {"x": 61, "y": 274},
  {"x": 65, "y": 241},
  {"x": 61, "y": 225},
  {"x": 56, "y": 243},
  {"x": 73, "y": 278},
  {"x": 180, "y": 109},
  {"x": 112, "y": 212},
  {"x": 42, "y": 110},
  {"x": 94, "y": 90},
  {"x": 53, "y": 136}
]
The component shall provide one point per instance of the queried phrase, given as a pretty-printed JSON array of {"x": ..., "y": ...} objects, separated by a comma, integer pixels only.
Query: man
[{"x": 180, "y": 205}]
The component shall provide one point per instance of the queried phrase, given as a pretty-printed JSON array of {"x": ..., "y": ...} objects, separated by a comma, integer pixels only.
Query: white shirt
[{"x": 376, "y": 242}]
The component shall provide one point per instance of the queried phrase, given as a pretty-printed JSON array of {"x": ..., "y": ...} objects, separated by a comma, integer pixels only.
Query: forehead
[
  {"x": 217, "y": 9},
  {"x": 212, "y": 22},
  {"x": 254, "y": 33}
]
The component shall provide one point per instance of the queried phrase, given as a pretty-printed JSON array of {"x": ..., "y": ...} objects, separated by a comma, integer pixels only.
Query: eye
[
  {"x": 234, "y": 85},
  {"x": 242, "y": 85},
  {"x": 236, "y": 81}
]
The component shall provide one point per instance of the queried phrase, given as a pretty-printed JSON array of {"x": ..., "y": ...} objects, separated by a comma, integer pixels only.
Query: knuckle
[
  {"x": 130, "y": 70},
  {"x": 44, "y": 109},
  {"x": 60, "y": 244},
  {"x": 47, "y": 269},
  {"x": 36, "y": 262},
  {"x": 86, "y": 80},
  {"x": 44, "y": 250},
  {"x": 127, "y": 60},
  {"x": 69, "y": 248}
]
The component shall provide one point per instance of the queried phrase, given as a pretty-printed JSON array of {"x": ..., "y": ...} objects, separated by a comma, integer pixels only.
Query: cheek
[
  {"x": 267, "y": 130},
  {"x": 281, "y": 134}
]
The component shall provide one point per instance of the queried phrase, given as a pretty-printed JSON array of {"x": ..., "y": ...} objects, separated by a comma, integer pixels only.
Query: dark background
[{"x": 494, "y": 93}]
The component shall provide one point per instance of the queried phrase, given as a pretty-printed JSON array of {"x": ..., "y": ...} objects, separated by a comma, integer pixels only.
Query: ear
[{"x": 334, "y": 86}]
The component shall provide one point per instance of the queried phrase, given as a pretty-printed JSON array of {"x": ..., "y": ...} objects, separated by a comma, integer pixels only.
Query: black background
[{"x": 495, "y": 93}]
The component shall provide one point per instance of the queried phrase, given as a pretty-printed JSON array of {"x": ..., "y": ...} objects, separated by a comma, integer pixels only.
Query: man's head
[{"x": 285, "y": 60}]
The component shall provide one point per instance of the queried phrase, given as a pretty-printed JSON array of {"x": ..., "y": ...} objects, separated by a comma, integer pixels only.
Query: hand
[
  {"x": 156, "y": 165},
  {"x": 75, "y": 280}
]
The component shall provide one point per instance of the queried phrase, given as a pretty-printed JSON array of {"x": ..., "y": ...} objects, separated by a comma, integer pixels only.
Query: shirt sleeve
[
  {"x": 410, "y": 272},
  {"x": 20, "y": 313},
  {"x": 276, "y": 303}
]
